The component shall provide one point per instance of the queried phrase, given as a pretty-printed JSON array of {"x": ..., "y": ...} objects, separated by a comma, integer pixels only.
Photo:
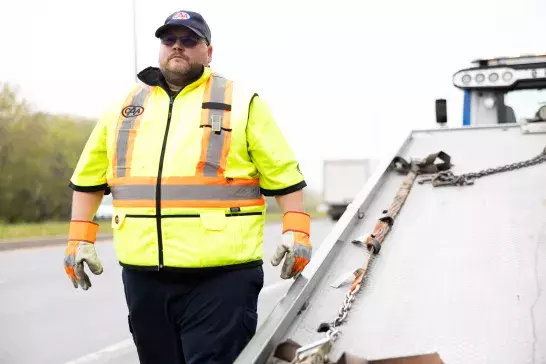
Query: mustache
[{"x": 173, "y": 55}]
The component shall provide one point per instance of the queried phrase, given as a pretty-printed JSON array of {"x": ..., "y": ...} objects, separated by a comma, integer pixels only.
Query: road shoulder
[{"x": 40, "y": 242}]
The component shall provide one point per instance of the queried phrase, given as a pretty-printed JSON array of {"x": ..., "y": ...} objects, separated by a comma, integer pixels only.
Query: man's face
[{"x": 181, "y": 57}]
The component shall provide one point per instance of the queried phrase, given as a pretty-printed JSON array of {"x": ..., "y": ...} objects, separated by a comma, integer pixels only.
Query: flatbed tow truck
[{"x": 441, "y": 257}]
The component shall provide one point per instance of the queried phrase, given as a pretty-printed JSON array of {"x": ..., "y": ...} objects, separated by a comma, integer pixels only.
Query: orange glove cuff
[
  {"x": 296, "y": 221},
  {"x": 83, "y": 231}
]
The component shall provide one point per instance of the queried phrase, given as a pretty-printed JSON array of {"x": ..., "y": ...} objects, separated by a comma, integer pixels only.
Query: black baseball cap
[{"x": 188, "y": 19}]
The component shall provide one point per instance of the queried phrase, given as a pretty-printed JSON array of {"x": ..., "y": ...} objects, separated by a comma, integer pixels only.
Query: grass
[
  {"x": 277, "y": 216},
  {"x": 60, "y": 228},
  {"x": 31, "y": 230}
]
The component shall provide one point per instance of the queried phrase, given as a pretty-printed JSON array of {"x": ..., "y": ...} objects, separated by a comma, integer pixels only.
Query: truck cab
[{"x": 502, "y": 90}]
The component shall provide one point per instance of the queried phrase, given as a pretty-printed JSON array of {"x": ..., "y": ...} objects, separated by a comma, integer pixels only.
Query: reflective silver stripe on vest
[
  {"x": 216, "y": 120},
  {"x": 126, "y": 126},
  {"x": 186, "y": 192}
]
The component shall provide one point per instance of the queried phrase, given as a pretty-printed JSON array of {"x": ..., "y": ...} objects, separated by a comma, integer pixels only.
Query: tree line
[{"x": 38, "y": 153}]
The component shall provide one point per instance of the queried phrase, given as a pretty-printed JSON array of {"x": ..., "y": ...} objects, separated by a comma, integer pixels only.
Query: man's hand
[
  {"x": 81, "y": 248},
  {"x": 295, "y": 246}
]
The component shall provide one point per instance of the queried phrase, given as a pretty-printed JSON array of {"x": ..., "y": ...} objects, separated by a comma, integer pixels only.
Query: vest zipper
[{"x": 158, "y": 185}]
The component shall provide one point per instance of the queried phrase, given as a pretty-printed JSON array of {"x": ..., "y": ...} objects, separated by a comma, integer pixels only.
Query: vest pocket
[
  {"x": 214, "y": 221},
  {"x": 221, "y": 239},
  {"x": 135, "y": 238}
]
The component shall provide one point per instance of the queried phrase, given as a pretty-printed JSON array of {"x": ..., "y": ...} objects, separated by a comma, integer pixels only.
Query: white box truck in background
[{"x": 343, "y": 179}]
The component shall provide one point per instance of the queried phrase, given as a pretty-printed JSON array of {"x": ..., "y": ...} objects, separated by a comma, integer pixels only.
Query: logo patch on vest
[{"x": 132, "y": 111}]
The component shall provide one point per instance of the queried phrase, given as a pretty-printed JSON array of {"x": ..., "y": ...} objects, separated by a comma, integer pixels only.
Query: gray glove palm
[{"x": 76, "y": 253}]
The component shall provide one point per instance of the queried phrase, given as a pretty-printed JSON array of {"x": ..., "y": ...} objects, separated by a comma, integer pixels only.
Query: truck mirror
[{"x": 441, "y": 111}]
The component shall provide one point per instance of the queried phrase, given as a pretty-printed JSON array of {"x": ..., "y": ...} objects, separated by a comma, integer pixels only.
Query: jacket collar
[{"x": 152, "y": 76}]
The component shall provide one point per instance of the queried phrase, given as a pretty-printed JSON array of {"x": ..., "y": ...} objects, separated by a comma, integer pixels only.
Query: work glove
[
  {"x": 81, "y": 248},
  {"x": 294, "y": 246}
]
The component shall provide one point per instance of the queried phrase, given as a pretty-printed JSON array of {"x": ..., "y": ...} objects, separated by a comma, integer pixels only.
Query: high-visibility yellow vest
[{"x": 188, "y": 173}]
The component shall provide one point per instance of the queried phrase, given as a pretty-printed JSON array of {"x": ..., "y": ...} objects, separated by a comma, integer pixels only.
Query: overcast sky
[{"x": 327, "y": 68}]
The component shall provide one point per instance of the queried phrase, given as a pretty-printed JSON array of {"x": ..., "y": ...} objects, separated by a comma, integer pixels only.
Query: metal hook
[{"x": 424, "y": 180}]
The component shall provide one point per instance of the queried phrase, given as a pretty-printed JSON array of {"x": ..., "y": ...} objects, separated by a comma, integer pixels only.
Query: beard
[{"x": 181, "y": 74}]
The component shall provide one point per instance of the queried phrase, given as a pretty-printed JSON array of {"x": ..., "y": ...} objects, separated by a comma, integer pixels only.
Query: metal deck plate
[{"x": 462, "y": 272}]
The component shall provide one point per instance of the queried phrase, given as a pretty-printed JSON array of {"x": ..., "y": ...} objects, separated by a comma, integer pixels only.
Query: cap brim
[{"x": 162, "y": 29}]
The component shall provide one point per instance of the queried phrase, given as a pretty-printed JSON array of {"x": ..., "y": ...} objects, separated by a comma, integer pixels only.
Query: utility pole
[{"x": 135, "y": 48}]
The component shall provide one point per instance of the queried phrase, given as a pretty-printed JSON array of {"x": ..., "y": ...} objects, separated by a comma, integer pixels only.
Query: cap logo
[{"x": 181, "y": 16}]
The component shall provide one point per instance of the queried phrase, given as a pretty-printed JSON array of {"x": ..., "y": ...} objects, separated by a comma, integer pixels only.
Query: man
[{"x": 188, "y": 156}]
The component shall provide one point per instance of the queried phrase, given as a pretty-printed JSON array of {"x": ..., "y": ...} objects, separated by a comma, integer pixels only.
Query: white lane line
[
  {"x": 108, "y": 351},
  {"x": 277, "y": 285},
  {"x": 128, "y": 343}
]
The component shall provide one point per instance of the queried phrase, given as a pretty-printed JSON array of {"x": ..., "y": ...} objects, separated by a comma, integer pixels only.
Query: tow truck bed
[{"x": 461, "y": 273}]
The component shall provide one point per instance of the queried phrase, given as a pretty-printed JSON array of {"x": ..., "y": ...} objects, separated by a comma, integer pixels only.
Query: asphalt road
[{"x": 43, "y": 319}]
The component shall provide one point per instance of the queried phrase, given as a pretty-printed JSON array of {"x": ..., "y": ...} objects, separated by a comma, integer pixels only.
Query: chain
[
  {"x": 447, "y": 178},
  {"x": 318, "y": 352},
  {"x": 334, "y": 333}
]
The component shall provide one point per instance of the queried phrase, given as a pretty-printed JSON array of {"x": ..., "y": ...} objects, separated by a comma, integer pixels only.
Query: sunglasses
[{"x": 186, "y": 41}]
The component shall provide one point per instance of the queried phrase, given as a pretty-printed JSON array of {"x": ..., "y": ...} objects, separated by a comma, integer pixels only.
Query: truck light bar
[
  {"x": 497, "y": 77},
  {"x": 512, "y": 60}
]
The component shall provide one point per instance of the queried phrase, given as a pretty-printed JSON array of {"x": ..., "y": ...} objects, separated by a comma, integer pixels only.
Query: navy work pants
[{"x": 175, "y": 318}]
